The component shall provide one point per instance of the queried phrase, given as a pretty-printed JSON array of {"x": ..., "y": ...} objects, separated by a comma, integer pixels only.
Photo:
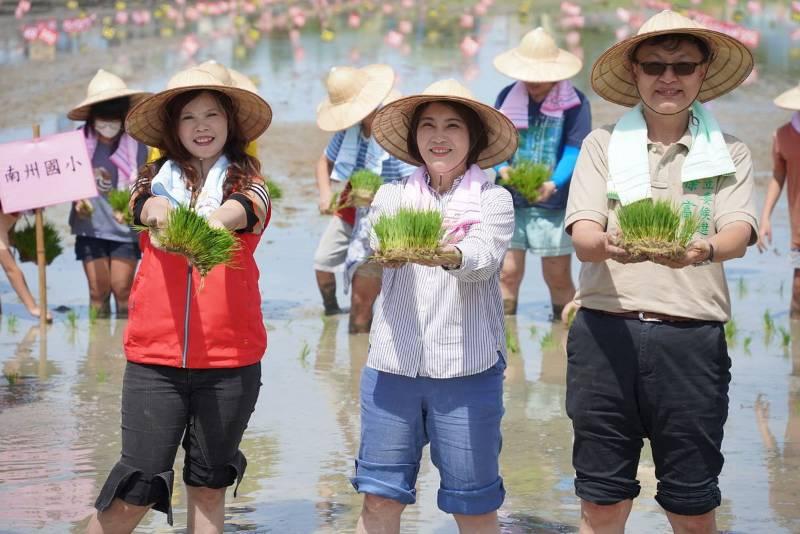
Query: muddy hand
[
  {"x": 615, "y": 251},
  {"x": 84, "y": 208}
]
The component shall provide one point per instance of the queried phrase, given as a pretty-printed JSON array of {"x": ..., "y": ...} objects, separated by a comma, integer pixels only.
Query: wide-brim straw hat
[
  {"x": 789, "y": 99},
  {"x": 538, "y": 59},
  {"x": 103, "y": 87},
  {"x": 729, "y": 64},
  {"x": 391, "y": 124},
  {"x": 146, "y": 121},
  {"x": 352, "y": 95}
]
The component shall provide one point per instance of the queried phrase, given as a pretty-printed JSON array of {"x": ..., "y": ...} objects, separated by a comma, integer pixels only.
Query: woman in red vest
[{"x": 194, "y": 353}]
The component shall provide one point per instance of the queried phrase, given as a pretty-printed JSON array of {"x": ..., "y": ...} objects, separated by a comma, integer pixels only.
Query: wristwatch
[{"x": 710, "y": 257}]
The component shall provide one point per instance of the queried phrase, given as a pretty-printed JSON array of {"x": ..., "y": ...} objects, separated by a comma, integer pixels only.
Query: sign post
[{"x": 40, "y": 257}]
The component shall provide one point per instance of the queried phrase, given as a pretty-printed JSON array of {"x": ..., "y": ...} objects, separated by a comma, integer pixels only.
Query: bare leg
[
  {"x": 364, "y": 292},
  {"x": 602, "y": 519},
  {"x": 205, "y": 509},
  {"x": 98, "y": 275},
  {"x": 119, "y": 518},
  {"x": 327, "y": 288},
  {"x": 122, "y": 271},
  {"x": 511, "y": 279},
  {"x": 379, "y": 516},
  {"x": 693, "y": 524},
  {"x": 794, "y": 312},
  {"x": 478, "y": 524},
  {"x": 557, "y": 274}
]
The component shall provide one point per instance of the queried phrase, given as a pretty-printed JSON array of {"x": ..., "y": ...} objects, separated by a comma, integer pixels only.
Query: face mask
[{"x": 108, "y": 129}]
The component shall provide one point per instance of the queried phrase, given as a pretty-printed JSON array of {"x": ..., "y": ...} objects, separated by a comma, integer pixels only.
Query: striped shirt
[
  {"x": 393, "y": 168},
  {"x": 441, "y": 323}
]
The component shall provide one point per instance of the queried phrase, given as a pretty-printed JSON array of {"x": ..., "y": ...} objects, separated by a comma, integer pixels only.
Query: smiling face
[
  {"x": 538, "y": 91},
  {"x": 442, "y": 140},
  {"x": 203, "y": 127},
  {"x": 669, "y": 93}
]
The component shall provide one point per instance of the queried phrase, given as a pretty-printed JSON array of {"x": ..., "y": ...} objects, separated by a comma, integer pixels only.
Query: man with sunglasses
[{"x": 646, "y": 353}]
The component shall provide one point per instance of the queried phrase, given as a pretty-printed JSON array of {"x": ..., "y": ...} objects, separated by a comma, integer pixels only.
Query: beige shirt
[{"x": 696, "y": 292}]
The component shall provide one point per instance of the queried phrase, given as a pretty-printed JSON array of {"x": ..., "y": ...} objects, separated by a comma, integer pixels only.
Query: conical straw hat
[
  {"x": 104, "y": 86},
  {"x": 146, "y": 121},
  {"x": 391, "y": 124},
  {"x": 789, "y": 99},
  {"x": 352, "y": 95},
  {"x": 729, "y": 65},
  {"x": 538, "y": 59}
]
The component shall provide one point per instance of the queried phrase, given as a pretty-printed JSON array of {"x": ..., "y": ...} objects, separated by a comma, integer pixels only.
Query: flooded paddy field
[{"x": 59, "y": 394}]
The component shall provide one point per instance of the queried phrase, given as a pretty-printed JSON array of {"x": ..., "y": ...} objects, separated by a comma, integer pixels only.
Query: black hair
[
  {"x": 478, "y": 138},
  {"x": 671, "y": 42}
]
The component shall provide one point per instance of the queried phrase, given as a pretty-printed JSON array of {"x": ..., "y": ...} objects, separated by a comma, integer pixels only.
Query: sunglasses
[{"x": 657, "y": 68}]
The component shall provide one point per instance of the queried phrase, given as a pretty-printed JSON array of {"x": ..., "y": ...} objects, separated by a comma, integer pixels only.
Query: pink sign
[{"x": 45, "y": 171}]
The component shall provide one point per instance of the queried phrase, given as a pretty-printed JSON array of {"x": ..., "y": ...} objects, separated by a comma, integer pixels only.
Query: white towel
[
  {"x": 628, "y": 165},
  {"x": 169, "y": 183},
  {"x": 348, "y": 154}
]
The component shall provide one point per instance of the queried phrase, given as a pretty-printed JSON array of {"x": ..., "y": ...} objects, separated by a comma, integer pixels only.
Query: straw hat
[
  {"x": 352, "y": 95},
  {"x": 145, "y": 122},
  {"x": 729, "y": 65},
  {"x": 104, "y": 87},
  {"x": 789, "y": 99},
  {"x": 538, "y": 59},
  {"x": 391, "y": 124}
]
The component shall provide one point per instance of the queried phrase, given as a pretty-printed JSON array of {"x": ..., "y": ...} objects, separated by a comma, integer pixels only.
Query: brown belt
[{"x": 650, "y": 316}]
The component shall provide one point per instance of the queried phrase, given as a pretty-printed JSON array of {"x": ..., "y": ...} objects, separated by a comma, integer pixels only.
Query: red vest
[{"x": 177, "y": 320}]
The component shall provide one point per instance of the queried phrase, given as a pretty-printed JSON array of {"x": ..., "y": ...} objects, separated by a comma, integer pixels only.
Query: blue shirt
[
  {"x": 393, "y": 168},
  {"x": 577, "y": 125}
]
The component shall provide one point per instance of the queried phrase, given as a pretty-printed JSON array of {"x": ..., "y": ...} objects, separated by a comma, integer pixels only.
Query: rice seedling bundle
[
  {"x": 24, "y": 241},
  {"x": 527, "y": 177},
  {"x": 189, "y": 235},
  {"x": 364, "y": 185},
  {"x": 120, "y": 202},
  {"x": 409, "y": 235},
  {"x": 655, "y": 229},
  {"x": 274, "y": 190}
]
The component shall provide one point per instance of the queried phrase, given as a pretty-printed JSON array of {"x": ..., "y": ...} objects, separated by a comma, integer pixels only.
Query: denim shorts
[
  {"x": 93, "y": 248},
  {"x": 666, "y": 381},
  {"x": 205, "y": 410},
  {"x": 541, "y": 231},
  {"x": 459, "y": 417}
]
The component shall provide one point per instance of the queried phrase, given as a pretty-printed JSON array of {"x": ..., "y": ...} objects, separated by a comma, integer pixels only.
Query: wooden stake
[{"x": 40, "y": 257}]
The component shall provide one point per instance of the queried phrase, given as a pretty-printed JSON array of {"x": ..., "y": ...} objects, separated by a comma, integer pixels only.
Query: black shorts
[
  {"x": 666, "y": 381},
  {"x": 205, "y": 410},
  {"x": 93, "y": 248}
]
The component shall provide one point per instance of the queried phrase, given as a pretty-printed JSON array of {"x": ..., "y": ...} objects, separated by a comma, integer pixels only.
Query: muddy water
[{"x": 59, "y": 402}]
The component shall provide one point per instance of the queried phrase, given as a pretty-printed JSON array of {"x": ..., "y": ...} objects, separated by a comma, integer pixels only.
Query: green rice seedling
[
  {"x": 548, "y": 341},
  {"x": 189, "y": 235},
  {"x": 769, "y": 323},
  {"x": 511, "y": 342},
  {"x": 24, "y": 240},
  {"x": 786, "y": 338},
  {"x": 274, "y": 190},
  {"x": 120, "y": 202},
  {"x": 741, "y": 288},
  {"x": 656, "y": 229},
  {"x": 101, "y": 376},
  {"x": 304, "y": 353},
  {"x": 746, "y": 344},
  {"x": 11, "y": 377},
  {"x": 72, "y": 319},
  {"x": 527, "y": 177},
  {"x": 409, "y": 234},
  {"x": 571, "y": 316},
  {"x": 93, "y": 315},
  {"x": 780, "y": 289},
  {"x": 12, "y": 323},
  {"x": 364, "y": 185},
  {"x": 533, "y": 330},
  {"x": 731, "y": 330}
]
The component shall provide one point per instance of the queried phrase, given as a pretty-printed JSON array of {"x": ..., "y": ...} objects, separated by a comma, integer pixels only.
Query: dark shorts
[
  {"x": 94, "y": 248},
  {"x": 668, "y": 382},
  {"x": 205, "y": 410}
]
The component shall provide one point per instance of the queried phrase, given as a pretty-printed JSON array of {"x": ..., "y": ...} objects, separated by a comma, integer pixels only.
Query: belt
[{"x": 650, "y": 317}]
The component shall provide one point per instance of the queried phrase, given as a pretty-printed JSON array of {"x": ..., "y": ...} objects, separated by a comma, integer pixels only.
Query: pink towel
[
  {"x": 464, "y": 207},
  {"x": 796, "y": 121},
  {"x": 560, "y": 98},
  {"x": 124, "y": 157}
]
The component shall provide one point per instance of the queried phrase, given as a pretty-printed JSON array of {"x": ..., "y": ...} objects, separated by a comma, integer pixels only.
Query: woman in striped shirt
[{"x": 435, "y": 368}]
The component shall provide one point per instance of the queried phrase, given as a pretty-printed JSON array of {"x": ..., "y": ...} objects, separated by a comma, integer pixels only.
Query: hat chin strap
[
  {"x": 448, "y": 171},
  {"x": 677, "y": 112}
]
